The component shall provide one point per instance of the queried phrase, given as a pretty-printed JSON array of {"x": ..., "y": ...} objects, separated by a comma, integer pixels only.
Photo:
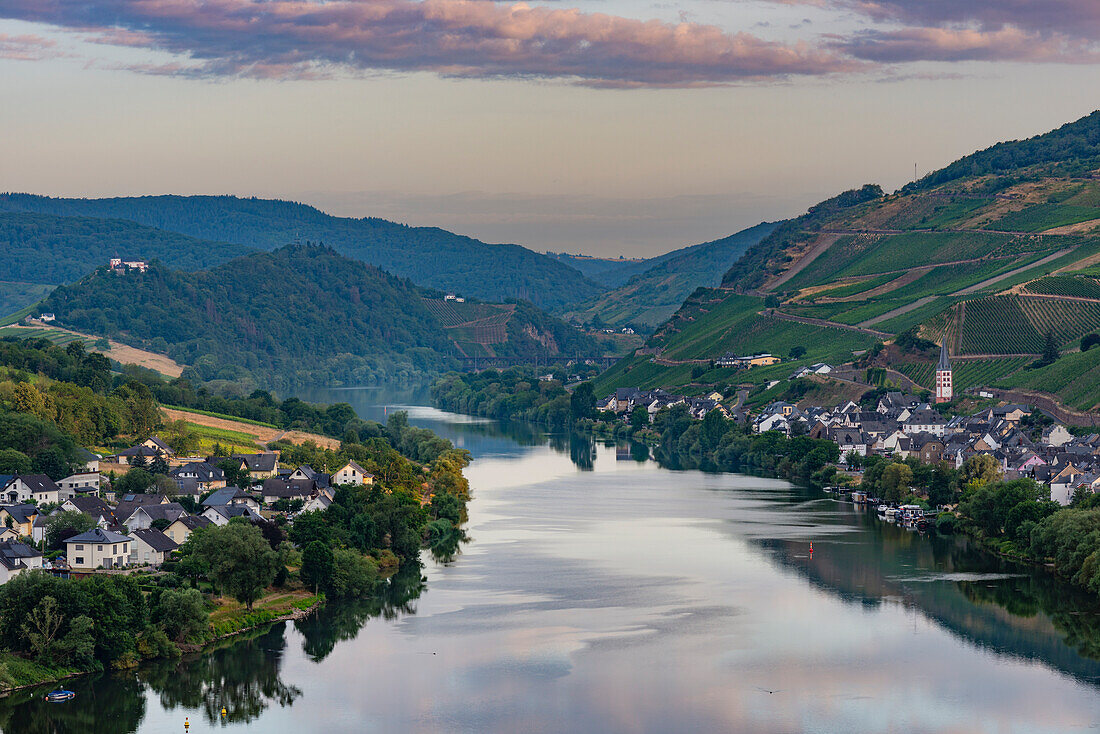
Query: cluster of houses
[
  {"x": 144, "y": 529},
  {"x": 625, "y": 399},
  {"x": 754, "y": 360},
  {"x": 904, "y": 426}
]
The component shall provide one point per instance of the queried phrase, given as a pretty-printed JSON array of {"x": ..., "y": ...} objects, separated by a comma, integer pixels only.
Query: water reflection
[
  {"x": 342, "y": 621},
  {"x": 242, "y": 677},
  {"x": 110, "y": 704}
]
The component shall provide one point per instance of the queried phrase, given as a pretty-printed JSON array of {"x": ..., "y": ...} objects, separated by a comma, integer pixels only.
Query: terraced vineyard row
[
  {"x": 1066, "y": 285},
  {"x": 985, "y": 372},
  {"x": 998, "y": 325},
  {"x": 1068, "y": 320}
]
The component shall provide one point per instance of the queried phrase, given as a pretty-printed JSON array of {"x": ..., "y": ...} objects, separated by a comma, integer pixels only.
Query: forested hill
[
  {"x": 1071, "y": 150},
  {"x": 650, "y": 297},
  {"x": 426, "y": 255},
  {"x": 43, "y": 248},
  {"x": 302, "y": 313}
]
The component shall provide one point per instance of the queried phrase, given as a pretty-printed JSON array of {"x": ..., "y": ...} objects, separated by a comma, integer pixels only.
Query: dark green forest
[
  {"x": 429, "y": 256},
  {"x": 41, "y": 248},
  {"x": 302, "y": 313}
]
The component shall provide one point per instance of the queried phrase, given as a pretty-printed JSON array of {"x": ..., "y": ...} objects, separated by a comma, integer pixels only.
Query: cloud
[
  {"x": 27, "y": 48},
  {"x": 1038, "y": 31},
  {"x": 964, "y": 44},
  {"x": 469, "y": 38}
]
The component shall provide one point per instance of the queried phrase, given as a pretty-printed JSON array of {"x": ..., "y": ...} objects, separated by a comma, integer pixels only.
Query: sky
[{"x": 587, "y": 126}]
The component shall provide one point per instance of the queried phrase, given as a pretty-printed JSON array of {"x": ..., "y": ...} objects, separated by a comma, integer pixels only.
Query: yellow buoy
[{"x": 224, "y": 711}]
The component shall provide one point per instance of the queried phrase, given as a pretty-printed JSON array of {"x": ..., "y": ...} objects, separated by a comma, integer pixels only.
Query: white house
[
  {"x": 87, "y": 481},
  {"x": 151, "y": 546},
  {"x": 98, "y": 548},
  {"x": 352, "y": 473},
  {"x": 16, "y": 557}
]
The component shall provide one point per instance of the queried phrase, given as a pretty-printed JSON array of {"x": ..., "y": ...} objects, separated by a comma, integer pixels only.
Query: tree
[
  {"x": 42, "y": 628},
  {"x": 139, "y": 461},
  {"x": 13, "y": 461},
  {"x": 159, "y": 465},
  {"x": 309, "y": 527},
  {"x": 317, "y": 565},
  {"x": 1088, "y": 341},
  {"x": 639, "y": 417},
  {"x": 65, "y": 525},
  {"x": 181, "y": 613},
  {"x": 134, "y": 481},
  {"x": 896, "y": 480},
  {"x": 582, "y": 403},
  {"x": 235, "y": 474},
  {"x": 1050, "y": 349},
  {"x": 797, "y": 352},
  {"x": 239, "y": 559},
  {"x": 979, "y": 470}
]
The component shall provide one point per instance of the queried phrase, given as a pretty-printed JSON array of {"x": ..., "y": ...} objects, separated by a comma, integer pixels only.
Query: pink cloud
[
  {"x": 291, "y": 38},
  {"x": 965, "y": 44},
  {"x": 27, "y": 48}
]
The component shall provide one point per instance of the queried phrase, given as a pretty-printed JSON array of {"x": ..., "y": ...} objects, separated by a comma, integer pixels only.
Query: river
[{"x": 599, "y": 592}]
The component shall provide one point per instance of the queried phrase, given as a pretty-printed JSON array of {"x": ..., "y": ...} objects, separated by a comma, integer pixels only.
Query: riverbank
[{"x": 228, "y": 619}]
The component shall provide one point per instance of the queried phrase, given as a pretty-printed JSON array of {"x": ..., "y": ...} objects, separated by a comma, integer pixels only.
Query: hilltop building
[{"x": 945, "y": 388}]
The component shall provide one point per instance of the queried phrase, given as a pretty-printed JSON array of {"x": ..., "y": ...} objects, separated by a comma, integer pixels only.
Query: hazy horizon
[{"x": 597, "y": 126}]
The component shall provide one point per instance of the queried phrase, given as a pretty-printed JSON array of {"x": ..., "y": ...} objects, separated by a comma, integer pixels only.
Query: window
[
  {"x": 114, "y": 548},
  {"x": 99, "y": 547},
  {"x": 79, "y": 561},
  {"x": 79, "y": 547}
]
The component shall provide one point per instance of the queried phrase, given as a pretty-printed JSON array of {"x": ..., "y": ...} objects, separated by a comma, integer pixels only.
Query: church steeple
[
  {"x": 945, "y": 361},
  {"x": 945, "y": 388}
]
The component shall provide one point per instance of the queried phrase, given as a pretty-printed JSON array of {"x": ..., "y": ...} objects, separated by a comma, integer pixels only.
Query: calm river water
[{"x": 602, "y": 593}]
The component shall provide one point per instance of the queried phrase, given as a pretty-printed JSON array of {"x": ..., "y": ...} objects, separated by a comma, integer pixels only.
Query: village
[
  {"x": 1022, "y": 440},
  {"x": 130, "y": 531}
]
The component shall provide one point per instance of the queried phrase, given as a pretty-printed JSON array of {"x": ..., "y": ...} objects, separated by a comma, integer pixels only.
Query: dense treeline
[
  {"x": 1072, "y": 149},
  {"x": 301, "y": 313},
  {"x": 429, "y": 256},
  {"x": 513, "y": 394},
  {"x": 40, "y": 248},
  {"x": 716, "y": 443},
  {"x": 95, "y": 623},
  {"x": 55, "y": 400}
]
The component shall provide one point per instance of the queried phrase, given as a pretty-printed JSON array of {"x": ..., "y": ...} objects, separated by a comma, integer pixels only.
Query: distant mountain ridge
[
  {"x": 650, "y": 297},
  {"x": 45, "y": 248},
  {"x": 428, "y": 256}
]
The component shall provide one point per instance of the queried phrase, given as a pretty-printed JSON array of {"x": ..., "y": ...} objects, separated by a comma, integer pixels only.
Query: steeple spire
[{"x": 945, "y": 361}]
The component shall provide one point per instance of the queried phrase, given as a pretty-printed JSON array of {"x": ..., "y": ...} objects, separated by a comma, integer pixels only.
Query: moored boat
[{"x": 58, "y": 695}]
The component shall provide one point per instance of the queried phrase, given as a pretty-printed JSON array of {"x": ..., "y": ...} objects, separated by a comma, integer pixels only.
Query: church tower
[{"x": 944, "y": 385}]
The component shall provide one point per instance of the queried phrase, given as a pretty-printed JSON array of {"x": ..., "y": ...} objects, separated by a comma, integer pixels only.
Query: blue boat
[{"x": 59, "y": 695}]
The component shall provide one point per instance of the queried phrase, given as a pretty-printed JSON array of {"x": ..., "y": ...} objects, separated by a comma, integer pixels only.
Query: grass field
[{"x": 232, "y": 441}]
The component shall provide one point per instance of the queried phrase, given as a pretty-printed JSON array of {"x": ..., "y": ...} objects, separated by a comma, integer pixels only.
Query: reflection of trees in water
[
  {"x": 105, "y": 704},
  {"x": 1074, "y": 612},
  {"x": 242, "y": 677},
  {"x": 446, "y": 547},
  {"x": 339, "y": 621}
]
